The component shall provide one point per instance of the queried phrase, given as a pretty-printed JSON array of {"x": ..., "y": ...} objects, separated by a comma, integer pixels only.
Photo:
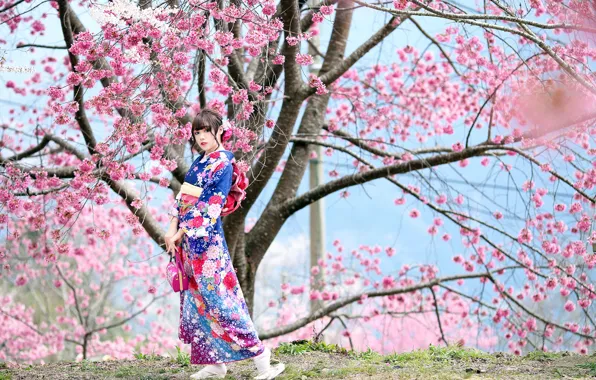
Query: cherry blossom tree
[
  {"x": 83, "y": 300},
  {"x": 505, "y": 88}
]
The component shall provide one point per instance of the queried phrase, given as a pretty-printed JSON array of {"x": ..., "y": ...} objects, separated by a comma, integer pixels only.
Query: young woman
[{"x": 214, "y": 317}]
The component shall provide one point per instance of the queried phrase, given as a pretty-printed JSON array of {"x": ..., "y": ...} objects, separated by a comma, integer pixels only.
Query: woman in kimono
[{"x": 214, "y": 317}]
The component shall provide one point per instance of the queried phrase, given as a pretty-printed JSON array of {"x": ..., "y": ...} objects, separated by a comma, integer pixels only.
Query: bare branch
[
  {"x": 292, "y": 205},
  {"x": 125, "y": 320},
  {"x": 438, "y": 316},
  {"x": 20, "y": 46},
  {"x": 27, "y": 153},
  {"x": 326, "y": 310},
  {"x": 11, "y": 6},
  {"x": 339, "y": 69}
]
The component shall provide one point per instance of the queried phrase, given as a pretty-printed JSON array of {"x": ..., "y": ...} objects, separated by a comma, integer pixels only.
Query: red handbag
[{"x": 175, "y": 272}]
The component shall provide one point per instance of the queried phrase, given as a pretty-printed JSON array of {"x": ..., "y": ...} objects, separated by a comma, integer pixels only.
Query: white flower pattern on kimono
[
  {"x": 214, "y": 210},
  {"x": 209, "y": 268},
  {"x": 213, "y": 252},
  {"x": 198, "y": 232}
]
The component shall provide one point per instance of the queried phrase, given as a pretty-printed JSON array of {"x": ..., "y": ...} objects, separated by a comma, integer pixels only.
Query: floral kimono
[{"x": 214, "y": 317}]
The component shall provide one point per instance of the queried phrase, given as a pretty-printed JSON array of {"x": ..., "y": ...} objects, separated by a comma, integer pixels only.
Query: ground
[{"x": 309, "y": 360}]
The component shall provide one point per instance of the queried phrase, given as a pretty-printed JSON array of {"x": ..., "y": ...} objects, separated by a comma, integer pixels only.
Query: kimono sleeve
[
  {"x": 173, "y": 210},
  {"x": 199, "y": 216}
]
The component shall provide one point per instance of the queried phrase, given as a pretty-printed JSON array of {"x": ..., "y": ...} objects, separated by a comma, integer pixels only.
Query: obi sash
[{"x": 189, "y": 189}]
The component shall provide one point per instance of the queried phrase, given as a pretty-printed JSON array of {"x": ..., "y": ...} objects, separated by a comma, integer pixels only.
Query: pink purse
[{"x": 175, "y": 273}]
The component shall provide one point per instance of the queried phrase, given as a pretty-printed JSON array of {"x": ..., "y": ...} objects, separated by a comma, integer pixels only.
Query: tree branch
[
  {"x": 291, "y": 19},
  {"x": 438, "y": 316},
  {"x": 11, "y": 6},
  {"x": 145, "y": 218},
  {"x": 324, "y": 311},
  {"x": 132, "y": 316},
  {"x": 27, "y": 153},
  {"x": 80, "y": 116},
  {"x": 292, "y": 205},
  {"x": 339, "y": 69},
  {"x": 20, "y": 46}
]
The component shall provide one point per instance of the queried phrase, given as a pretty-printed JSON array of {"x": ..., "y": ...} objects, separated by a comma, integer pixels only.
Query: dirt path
[{"x": 319, "y": 361}]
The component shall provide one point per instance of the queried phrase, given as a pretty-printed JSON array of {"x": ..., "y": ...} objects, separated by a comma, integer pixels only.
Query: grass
[
  {"x": 431, "y": 354},
  {"x": 591, "y": 367},
  {"x": 149, "y": 357},
  {"x": 318, "y": 360},
  {"x": 544, "y": 356},
  {"x": 438, "y": 354},
  {"x": 182, "y": 357},
  {"x": 302, "y": 346},
  {"x": 87, "y": 365},
  {"x": 124, "y": 372}
]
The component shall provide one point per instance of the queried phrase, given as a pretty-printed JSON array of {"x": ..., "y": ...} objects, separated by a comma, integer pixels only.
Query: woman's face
[{"x": 206, "y": 141}]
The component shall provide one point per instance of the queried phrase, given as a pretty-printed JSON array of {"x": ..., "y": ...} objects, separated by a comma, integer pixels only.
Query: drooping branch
[
  {"x": 273, "y": 72},
  {"x": 129, "y": 318},
  {"x": 438, "y": 316},
  {"x": 172, "y": 152},
  {"x": 511, "y": 299},
  {"x": 451, "y": 216},
  {"x": 553, "y": 172},
  {"x": 145, "y": 218},
  {"x": 436, "y": 43},
  {"x": 330, "y": 308},
  {"x": 98, "y": 64}
]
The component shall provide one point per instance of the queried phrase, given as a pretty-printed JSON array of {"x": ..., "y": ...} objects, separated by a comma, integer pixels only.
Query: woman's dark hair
[{"x": 206, "y": 118}]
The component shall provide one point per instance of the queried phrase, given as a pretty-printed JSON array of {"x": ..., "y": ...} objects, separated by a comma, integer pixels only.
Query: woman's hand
[
  {"x": 170, "y": 240},
  {"x": 178, "y": 236}
]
